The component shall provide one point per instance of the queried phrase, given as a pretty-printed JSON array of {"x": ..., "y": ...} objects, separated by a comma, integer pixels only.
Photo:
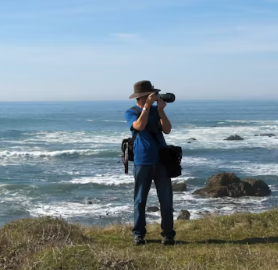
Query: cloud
[
  {"x": 130, "y": 38},
  {"x": 125, "y": 35}
]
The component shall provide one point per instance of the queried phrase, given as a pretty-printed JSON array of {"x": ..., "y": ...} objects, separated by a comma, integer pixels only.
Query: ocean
[{"x": 63, "y": 159}]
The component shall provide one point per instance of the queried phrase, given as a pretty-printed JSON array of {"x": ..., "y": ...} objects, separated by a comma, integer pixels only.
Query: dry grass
[{"x": 239, "y": 241}]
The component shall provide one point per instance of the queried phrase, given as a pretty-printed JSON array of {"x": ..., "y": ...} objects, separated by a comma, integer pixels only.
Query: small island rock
[
  {"x": 266, "y": 134},
  {"x": 234, "y": 138}
]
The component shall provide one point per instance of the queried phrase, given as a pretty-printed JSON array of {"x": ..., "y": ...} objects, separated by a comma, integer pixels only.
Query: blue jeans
[{"x": 143, "y": 175}]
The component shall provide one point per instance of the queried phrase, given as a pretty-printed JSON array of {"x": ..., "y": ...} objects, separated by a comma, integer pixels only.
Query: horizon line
[{"x": 96, "y": 100}]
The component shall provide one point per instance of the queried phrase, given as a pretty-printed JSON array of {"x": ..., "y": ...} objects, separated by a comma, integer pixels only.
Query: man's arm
[
  {"x": 165, "y": 123},
  {"x": 142, "y": 121}
]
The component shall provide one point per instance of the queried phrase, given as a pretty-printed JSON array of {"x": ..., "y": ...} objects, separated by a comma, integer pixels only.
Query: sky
[{"x": 64, "y": 50}]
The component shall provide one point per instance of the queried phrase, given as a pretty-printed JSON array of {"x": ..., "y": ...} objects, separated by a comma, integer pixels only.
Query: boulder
[
  {"x": 152, "y": 209},
  {"x": 180, "y": 186},
  {"x": 223, "y": 179},
  {"x": 256, "y": 187},
  {"x": 183, "y": 215},
  {"x": 228, "y": 184},
  {"x": 234, "y": 138}
]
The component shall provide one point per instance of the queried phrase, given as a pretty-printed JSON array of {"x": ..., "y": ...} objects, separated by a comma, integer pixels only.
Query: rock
[
  {"x": 178, "y": 186},
  {"x": 183, "y": 215},
  {"x": 228, "y": 184},
  {"x": 256, "y": 187},
  {"x": 205, "y": 213},
  {"x": 152, "y": 209},
  {"x": 234, "y": 138},
  {"x": 212, "y": 192},
  {"x": 90, "y": 202},
  {"x": 192, "y": 139},
  {"x": 223, "y": 179},
  {"x": 266, "y": 134}
]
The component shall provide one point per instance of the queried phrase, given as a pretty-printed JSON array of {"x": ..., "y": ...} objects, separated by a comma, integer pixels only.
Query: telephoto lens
[{"x": 168, "y": 97}]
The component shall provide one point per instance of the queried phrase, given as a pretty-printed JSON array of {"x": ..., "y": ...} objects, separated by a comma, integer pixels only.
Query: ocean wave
[
  {"x": 114, "y": 121},
  {"x": 243, "y": 167},
  {"x": 13, "y": 196},
  {"x": 63, "y": 153},
  {"x": 206, "y": 137},
  {"x": 214, "y": 137},
  {"x": 105, "y": 179},
  {"x": 85, "y": 137},
  {"x": 263, "y": 122},
  {"x": 77, "y": 209},
  {"x": 199, "y": 207}
]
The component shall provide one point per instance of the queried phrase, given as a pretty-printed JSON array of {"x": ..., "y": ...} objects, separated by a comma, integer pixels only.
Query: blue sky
[{"x": 92, "y": 50}]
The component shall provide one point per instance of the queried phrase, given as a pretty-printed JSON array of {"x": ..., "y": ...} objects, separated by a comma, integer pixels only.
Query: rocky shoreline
[
  {"x": 221, "y": 185},
  {"x": 228, "y": 184}
]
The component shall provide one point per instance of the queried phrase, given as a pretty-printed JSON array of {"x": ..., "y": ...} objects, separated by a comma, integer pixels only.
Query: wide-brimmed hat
[{"x": 143, "y": 88}]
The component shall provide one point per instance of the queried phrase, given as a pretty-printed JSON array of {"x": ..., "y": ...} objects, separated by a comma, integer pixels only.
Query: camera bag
[
  {"x": 127, "y": 146},
  {"x": 170, "y": 157}
]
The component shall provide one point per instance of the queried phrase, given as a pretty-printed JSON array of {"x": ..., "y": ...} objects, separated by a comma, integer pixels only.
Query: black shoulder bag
[
  {"x": 170, "y": 157},
  {"x": 127, "y": 146}
]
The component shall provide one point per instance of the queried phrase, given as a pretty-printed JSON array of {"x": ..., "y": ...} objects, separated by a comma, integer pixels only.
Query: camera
[{"x": 168, "y": 97}]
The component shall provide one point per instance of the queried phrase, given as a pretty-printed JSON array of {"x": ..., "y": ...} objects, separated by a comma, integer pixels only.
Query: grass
[{"x": 239, "y": 241}]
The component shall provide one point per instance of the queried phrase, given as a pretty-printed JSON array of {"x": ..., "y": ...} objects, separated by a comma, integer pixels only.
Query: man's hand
[
  {"x": 151, "y": 99},
  {"x": 161, "y": 104},
  {"x": 164, "y": 121}
]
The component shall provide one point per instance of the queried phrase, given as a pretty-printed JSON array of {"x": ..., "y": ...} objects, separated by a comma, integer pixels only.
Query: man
[{"x": 150, "y": 122}]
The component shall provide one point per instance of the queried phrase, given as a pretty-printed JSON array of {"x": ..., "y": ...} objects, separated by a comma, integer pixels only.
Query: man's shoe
[
  {"x": 166, "y": 240},
  {"x": 138, "y": 240}
]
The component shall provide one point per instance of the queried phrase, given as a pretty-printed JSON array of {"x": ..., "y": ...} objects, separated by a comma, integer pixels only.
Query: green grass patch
[{"x": 239, "y": 241}]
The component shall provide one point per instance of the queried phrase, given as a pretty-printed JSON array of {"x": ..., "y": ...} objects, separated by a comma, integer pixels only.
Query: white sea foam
[
  {"x": 114, "y": 121},
  {"x": 93, "y": 138},
  {"x": 182, "y": 179},
  {"x": 261, "y": 122},
  {"x": 253, "y": 168},
  {"x": 213, "y": 137},
  {"x": 207, "y": 137},
  {"x": 13, "y": 197},
  {"x": 105, "y": 179},
  {"x": 202, "y": 206},
  {"x": 50, "y": 153},
  {"x": 75, "y": 209},
  {"x": 199, "y": 207},
  {"x": 246, "y": 167}
]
